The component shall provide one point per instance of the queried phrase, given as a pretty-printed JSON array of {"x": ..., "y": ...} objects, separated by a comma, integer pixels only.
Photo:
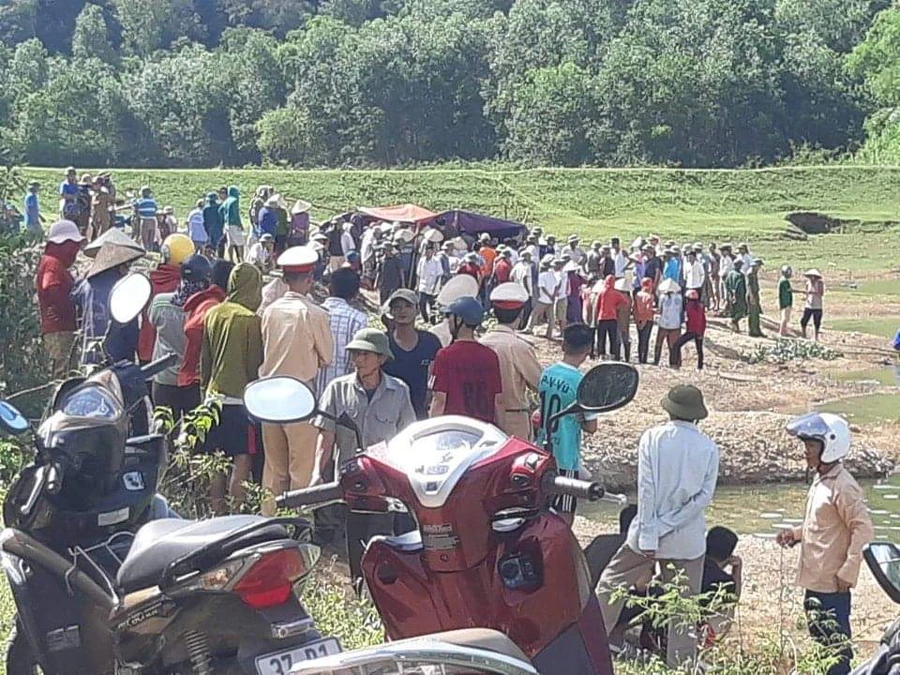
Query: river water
[{"x": 763, "y": 509}]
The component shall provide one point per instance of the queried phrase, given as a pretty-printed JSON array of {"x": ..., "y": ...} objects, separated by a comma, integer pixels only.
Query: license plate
[{"x": 280, "y": 663}]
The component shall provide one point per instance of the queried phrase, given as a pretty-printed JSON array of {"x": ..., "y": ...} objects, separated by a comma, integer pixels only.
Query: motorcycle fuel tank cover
[{"x": 434, "y": 454}]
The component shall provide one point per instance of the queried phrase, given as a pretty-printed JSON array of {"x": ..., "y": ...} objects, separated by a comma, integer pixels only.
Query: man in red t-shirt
[
  {"x": 466, "y": 375},
  {"x": 503, "y": 267},
  {"x": 54, "y": 284}
]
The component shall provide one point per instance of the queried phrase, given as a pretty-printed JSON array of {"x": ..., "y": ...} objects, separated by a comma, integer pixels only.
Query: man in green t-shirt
[{"x": 785, "y": 299}]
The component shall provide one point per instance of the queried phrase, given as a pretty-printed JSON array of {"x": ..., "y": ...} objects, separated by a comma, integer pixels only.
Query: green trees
[{"x": 386, "y": 82}]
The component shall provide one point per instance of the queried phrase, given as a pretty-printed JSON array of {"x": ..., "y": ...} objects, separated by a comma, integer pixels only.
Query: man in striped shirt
[
  {"x": 345, "y": 322},
  {"x": 145, "y": 216}
]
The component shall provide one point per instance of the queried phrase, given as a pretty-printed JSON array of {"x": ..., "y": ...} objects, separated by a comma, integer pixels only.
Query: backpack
[{"x": 897, "y": 341}]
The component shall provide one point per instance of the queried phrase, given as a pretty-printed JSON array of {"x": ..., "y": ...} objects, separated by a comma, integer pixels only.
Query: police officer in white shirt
[{"x": 678, "y": 466}]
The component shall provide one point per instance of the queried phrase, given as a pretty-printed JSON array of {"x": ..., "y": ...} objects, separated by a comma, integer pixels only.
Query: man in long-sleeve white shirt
[{"x": 678, "y": 466}]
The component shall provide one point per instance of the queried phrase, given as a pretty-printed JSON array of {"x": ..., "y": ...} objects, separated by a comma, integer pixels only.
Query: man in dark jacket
[{"x": 212, "y": 221}]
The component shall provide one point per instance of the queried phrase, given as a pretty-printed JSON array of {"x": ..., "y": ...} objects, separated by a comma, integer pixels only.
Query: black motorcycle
[
  {"x": 104, "y": 582},
  {"x": 884, "y": 560}
]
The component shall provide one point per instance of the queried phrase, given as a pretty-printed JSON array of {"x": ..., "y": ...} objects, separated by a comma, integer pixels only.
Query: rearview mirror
[
  {"x": 129, "y": 297},
  {"x": 11, "y": 420},
  {"x": 883, "y": 559},
  {"x": 607, "y": 387},
  {"x": 279, "y": 400}
]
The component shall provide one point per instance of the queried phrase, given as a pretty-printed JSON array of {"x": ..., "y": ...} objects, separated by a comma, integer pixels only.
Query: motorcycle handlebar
[
  {"x": 54, "y": 478},
  {"x": 312, "y": 496},
  {"x": 580, "y": 489},
  {"x": 156, "y": 367}
]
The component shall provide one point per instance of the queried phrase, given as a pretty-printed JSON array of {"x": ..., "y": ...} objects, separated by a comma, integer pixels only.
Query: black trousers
[
  {"x": 608, "y": 330},
  {"x": 426, "y": 303},
  {"x": 828, "y": 619},
  {"x": 698, "y": 341},
  {"x": 815, "y": 315},
  {"x": 526, "y": 314},
  {"x": 644, "y": 342}
]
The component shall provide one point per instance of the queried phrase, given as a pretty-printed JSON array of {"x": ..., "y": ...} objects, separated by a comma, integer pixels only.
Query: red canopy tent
[{"x": 402, "y": 213}]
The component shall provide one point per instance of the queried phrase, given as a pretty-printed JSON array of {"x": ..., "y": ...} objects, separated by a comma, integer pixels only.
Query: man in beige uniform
[
  {"x": 297, "y": 341},
  {"x": 519, "y": 367}
]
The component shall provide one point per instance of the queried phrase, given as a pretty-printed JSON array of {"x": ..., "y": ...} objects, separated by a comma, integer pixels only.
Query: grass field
[{"x": 681, "y": 204}]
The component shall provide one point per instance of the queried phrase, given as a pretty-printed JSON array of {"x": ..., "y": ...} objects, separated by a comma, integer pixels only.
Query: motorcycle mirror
[
  {"x": 279, "y": 400},
  {"x": 883, "y": 558},
  {"x": 11, "y": 420},
  {"x": 607, "y": 387},
  {"x": 129, "y": 297}
]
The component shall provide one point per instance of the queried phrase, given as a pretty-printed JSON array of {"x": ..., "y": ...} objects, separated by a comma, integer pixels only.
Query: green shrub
[{"x": 785, "y": 350}]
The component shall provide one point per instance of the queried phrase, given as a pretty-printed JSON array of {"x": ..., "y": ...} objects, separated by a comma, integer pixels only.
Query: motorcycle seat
[
  {"x": 161, "y": 542},
  {"x": 480, "y": 638}
]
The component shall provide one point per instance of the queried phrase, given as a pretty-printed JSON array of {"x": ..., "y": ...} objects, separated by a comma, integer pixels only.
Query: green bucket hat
[
  {"x": 371, "y": 340},
  {"x": 685, "y": 402}
]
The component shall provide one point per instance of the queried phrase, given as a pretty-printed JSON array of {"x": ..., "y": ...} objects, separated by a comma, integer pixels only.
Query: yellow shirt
[
  {"x": 297, "y": 338},
  {"x": 519, "y": 372},
  {"x": 836, "y": 528}
]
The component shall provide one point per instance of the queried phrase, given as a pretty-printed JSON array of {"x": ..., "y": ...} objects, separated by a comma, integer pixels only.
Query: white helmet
[{"x": 833, "y": 431}]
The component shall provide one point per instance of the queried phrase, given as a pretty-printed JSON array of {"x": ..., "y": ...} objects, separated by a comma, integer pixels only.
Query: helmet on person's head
[
  {"x": 832, "y": 430},
  {"x": 468, "y": 309},
  {"x": 196, "y": 268},
  {"x": 176, "y": 248}
]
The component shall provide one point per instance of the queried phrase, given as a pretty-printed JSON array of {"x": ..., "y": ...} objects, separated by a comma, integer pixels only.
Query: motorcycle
[
  {"x": 101, "y": 586},
  {"x": 487, "y": 550},
  {"x": 883, "y": 559}
]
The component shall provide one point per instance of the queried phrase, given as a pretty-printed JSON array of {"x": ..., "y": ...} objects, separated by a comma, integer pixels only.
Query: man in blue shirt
[
  {"x": 672, "y": 269},
  {"x": 558, "y": 389},
  {"x": 33, "y": 221},
  {"x": 145, "y": 211},
  {"x": 68, "y": 195}
]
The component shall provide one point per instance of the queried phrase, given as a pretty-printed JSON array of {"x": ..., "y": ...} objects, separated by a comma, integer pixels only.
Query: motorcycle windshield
[{"x": 434, "y": 454}]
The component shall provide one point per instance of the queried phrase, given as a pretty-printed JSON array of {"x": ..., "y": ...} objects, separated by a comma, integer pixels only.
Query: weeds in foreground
[
  {"x": 187, "y": 483},
  {"x": 723, "y": 654}
]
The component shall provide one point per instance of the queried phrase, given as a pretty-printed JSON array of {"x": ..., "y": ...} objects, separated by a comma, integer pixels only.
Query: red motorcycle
[{"x": 487, "y": 551}]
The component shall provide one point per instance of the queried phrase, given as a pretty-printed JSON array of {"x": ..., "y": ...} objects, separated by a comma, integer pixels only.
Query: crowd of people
[{"x": 232, "y": 318}]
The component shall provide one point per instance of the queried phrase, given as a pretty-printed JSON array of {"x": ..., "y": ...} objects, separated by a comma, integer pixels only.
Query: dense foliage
[{"x": 387, "y": 82}]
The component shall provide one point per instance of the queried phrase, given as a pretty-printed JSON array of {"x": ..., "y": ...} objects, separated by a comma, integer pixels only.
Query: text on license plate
[{"x": 280, "y": 663}]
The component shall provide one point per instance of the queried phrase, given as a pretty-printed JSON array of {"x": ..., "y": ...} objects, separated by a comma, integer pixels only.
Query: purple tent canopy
[{"x": 476, "y": 223}]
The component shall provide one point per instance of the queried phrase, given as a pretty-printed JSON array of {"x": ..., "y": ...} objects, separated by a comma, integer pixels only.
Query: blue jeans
[{"x": 828, "y": 618}]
